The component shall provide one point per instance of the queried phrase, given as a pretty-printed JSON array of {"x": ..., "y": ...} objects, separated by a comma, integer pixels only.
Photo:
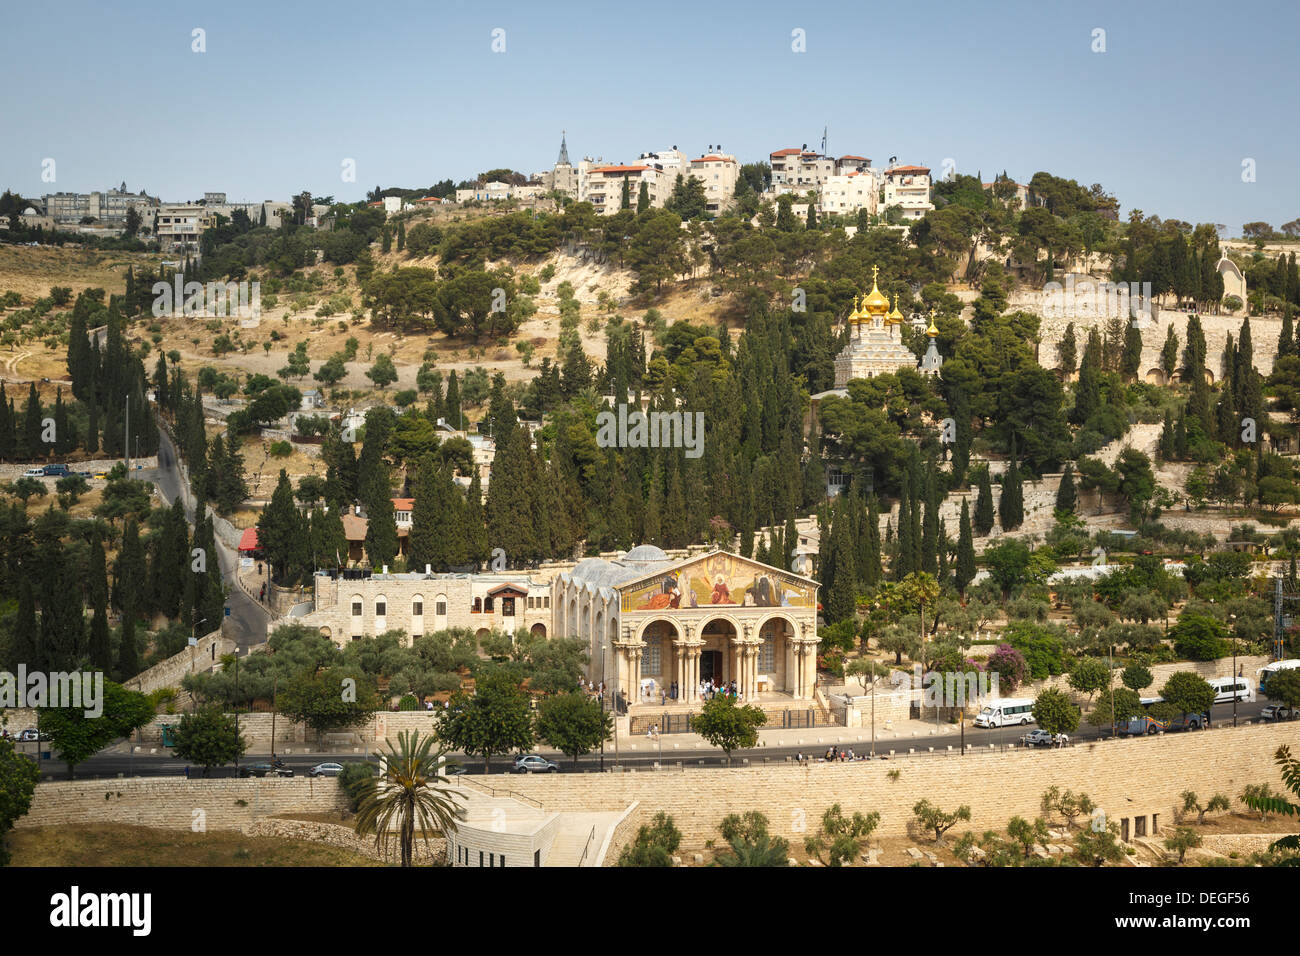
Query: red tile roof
[
  {"x": 712, "y": 159},
  {"x": 403, "y": 504},
  {"x": 909, "y": 169},
  {"x": 619, "y": 169},
  {"x": 862, "y": 158},
  {"x": 787, "y": 152}
]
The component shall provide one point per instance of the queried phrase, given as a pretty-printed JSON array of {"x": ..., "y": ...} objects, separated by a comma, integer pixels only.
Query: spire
[{"x": 564, "y": 151}]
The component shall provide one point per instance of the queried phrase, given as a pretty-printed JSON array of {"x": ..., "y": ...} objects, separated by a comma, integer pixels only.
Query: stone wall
[
  {"x": 434, "y": 852},
  {"x": 1125, "y": 777},
  {"x": 171, "y": 802},
  {"x": 197, "y": 659}
]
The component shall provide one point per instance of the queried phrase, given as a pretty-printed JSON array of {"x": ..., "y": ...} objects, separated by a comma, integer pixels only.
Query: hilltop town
[{"x": 735, "y": 506}]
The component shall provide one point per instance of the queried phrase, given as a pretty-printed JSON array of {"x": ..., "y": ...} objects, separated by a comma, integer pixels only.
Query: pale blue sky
[{"x": 413, "y": 92}]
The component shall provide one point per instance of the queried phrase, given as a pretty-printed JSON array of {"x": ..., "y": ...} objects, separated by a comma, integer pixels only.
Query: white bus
[
  {"x": 1264, "y": 673},
  {"x": 1230, "y": 688},
  {"x": 1005, "y": 713}
]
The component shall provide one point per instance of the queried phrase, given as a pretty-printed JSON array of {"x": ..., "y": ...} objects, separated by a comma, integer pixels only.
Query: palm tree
[{"x": 409, "y": 795}]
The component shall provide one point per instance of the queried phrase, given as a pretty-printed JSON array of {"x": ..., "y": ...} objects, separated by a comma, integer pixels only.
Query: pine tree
[
  {"x": 965, "y": 570},
  {"x": 1066, "y": 498},
  {"x": 984, "y": 516}
]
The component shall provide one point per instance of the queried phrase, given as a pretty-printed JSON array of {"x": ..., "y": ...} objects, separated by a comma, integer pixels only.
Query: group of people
[
  {"x": 831, "y": 756},
  {"x": 711, "y": 688}
]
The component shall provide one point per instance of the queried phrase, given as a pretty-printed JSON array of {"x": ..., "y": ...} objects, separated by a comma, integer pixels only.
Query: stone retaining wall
[
  {"x": 1127, "y": 778},
  {"x": 171, "y": 802}
]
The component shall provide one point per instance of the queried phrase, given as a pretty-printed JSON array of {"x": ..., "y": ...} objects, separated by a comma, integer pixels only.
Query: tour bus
[
  {"x": 1004, "y": 713},
  {"x": 1227, "y": 688},
  {"x": 1266, "y": 672}
]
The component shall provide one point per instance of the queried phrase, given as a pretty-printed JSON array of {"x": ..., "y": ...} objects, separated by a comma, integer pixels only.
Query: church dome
[
  {"x": 895, "y": 316},
  {"x": 645, "y": 552},
  {"x": 875, "y": 303}
]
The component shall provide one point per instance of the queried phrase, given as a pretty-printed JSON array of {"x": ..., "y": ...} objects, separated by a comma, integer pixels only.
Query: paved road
[
  {"x": 112, "y": 764},
  {"x": 248, "y": 618}
]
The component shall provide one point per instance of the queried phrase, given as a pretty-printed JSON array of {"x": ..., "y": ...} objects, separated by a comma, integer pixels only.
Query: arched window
[
  {"x": 357, "y": 605},
  {"x": 417, "y": 606}
]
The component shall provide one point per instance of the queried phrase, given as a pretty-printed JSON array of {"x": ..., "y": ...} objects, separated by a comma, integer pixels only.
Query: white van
[
  {"x": 1227, "y": 689},
  {"x": 1006, "y": 713},
  {"x": 1264, "y": 673}
]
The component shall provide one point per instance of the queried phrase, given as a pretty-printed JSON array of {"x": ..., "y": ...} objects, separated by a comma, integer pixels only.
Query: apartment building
[
  {"x": 602, "y": 186},
  {"x": 908, "y": 187},
  {"x": 107, "y": 208},
  {"x": 181, "y": 224},
  {"x": 719, "y": 172},
  {"x": 800, "y": 169},
  {"x": 844, "y": 194}
]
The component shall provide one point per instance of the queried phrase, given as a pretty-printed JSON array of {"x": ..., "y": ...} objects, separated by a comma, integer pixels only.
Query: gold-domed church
[{"x": 875, "y": 339}]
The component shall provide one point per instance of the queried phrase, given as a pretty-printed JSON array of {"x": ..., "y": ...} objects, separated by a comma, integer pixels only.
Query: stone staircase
[{"x": 567, "y": 849}]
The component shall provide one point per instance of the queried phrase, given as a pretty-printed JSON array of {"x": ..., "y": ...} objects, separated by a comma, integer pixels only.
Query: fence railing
[
  {"x": 497, "y": 791},
  {"x": 587, "y": 847}
]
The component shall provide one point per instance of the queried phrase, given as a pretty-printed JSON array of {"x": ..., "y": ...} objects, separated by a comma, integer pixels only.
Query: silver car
[
  {"x": 325, "y": 770},
  {"x": 534, "y": 763}
]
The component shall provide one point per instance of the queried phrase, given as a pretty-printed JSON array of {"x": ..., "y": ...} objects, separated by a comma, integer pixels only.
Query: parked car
[
  {"x": 265, "y": 770},
  {"x": 1043, "y": 738},
  {"x": 1188, "y": 722},
  {"x": 1278, "y": 712},
  {"x": 100, "y": 475},
  {"x": 534, "y": 763},
  {"x": 34, "y": 473},
  {"x": 29, "y": 735},
  {"x": 56, "y": 471},
  {"x": 325, "y": 770}
]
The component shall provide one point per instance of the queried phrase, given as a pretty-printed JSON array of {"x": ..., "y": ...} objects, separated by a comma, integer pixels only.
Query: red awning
[{"x": 248, "y": 540}]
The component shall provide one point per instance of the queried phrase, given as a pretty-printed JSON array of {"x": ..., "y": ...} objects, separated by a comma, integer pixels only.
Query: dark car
[
  {"x": 56, "y": 471},
  {"x": 265, "y": 770}
]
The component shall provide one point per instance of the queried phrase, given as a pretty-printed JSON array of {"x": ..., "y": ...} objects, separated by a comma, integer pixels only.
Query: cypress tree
[
  {"x": 903, "y": 565},
  {"x": 965, "y": 570},
  {"x": 871, "y": 571},
  {"x": 128, "y": 651},
  {"x": 422, "y": 545},
  {"x": 24, "y": 647},
  {"x": 8, "y": 440},
  {"x": 129, "y": 583},
  {"x": 1166, "y": 446},
  {"x": 984, "y": 516},
  {"x": 1011, "y": 504},
  {"x": 841, "y": 601},
  {"x": 476, "y": 527},
  {"x": 1066, "y": 498}
]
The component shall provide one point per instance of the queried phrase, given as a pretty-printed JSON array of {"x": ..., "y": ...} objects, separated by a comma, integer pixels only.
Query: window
[
  {"x": 651, "y": 663},
  {"x": 417, "y": 608},
  {"x": 440, "y": 609},
  {"x": 487, "y": 604},
  {"x": 547, "y": 601},
  {"x": 381, "y": 608},
  {"x": 356, "y": 607},
  {"x": 767, "y": 654},
  {"x": 477, "y": 607},
  {"x": 480, "y": 857}
]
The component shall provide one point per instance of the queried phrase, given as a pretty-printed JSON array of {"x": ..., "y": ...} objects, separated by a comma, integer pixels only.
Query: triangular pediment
[{"x": 714, "y": 579}]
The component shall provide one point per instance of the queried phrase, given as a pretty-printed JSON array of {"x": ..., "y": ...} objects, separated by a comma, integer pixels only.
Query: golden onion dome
[
  {"x": 875, "y": 303},
  {"x": 896, "y": 317},
  {"x": 855, "y": 315},
  {"x": 932, "y": 331}
]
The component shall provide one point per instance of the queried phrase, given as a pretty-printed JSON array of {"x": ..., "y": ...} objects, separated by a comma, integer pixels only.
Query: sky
[{"x": 1163, "y": 108}]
